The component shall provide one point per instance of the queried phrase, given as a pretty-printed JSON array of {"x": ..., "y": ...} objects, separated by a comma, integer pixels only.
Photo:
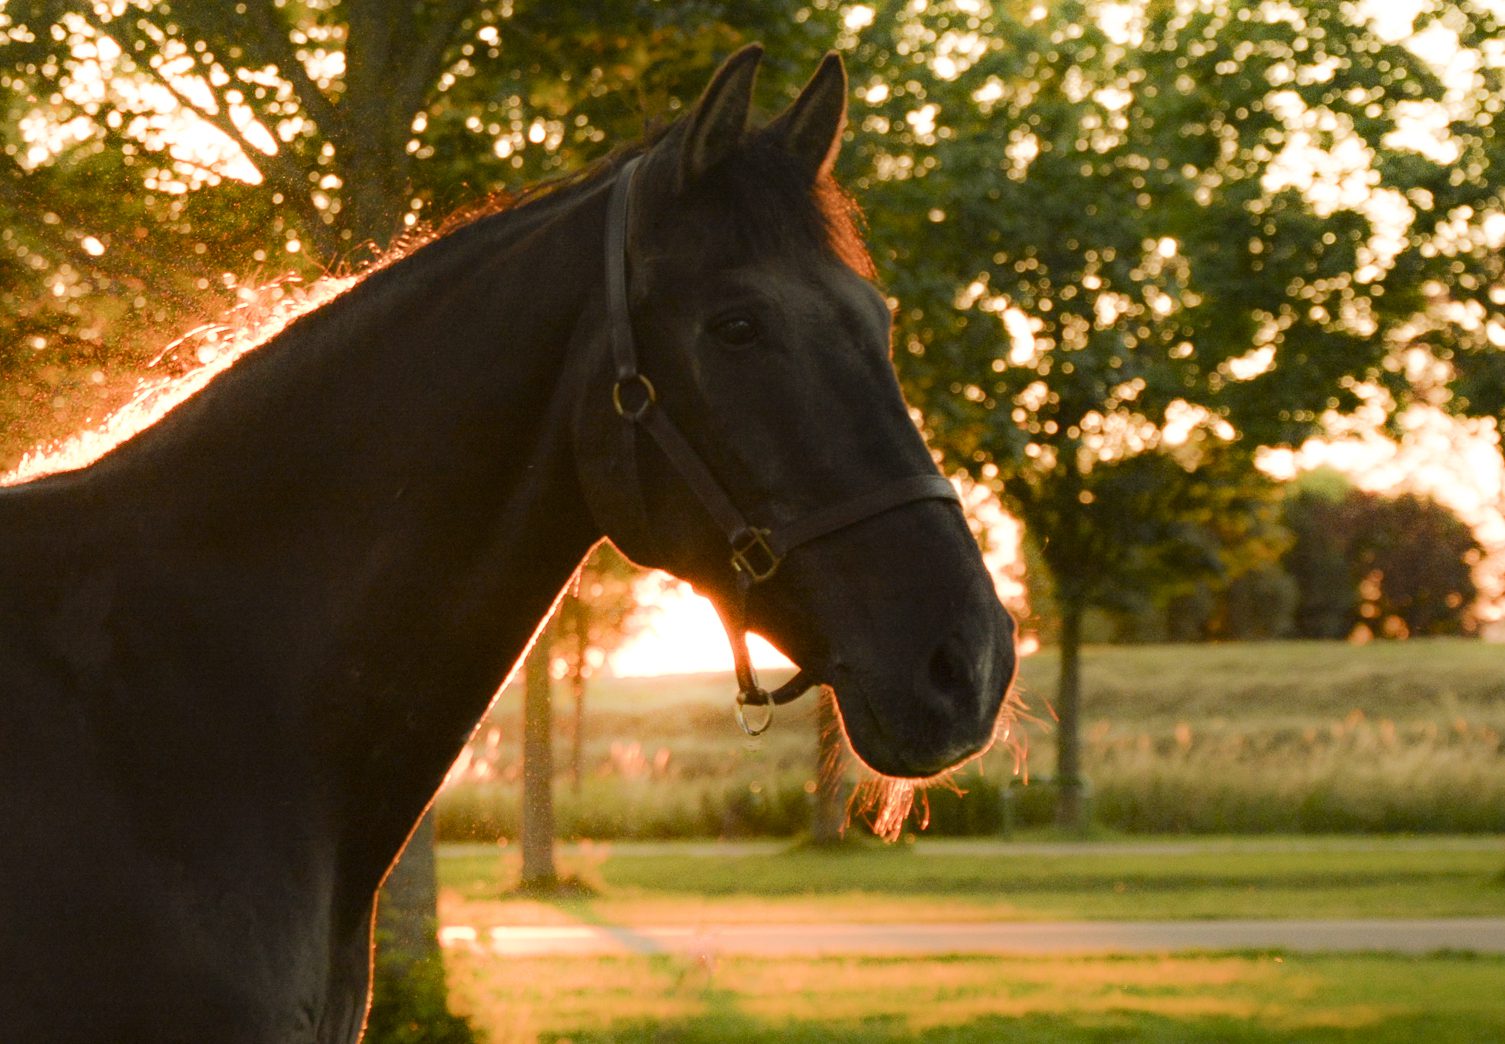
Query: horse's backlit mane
[
  {"x": 824, "y": 218},
  {"x": 207, "y": 350},
  {"x": 258, "y": 318}
]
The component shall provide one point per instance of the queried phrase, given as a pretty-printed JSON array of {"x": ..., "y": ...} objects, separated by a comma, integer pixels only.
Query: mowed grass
[
  {"x": 962, "y": 881},
  {"x": 1265, "y": 997}
]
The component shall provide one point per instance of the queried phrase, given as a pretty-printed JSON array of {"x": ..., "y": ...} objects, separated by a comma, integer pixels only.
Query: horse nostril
[{"x": 950, "y": 668}]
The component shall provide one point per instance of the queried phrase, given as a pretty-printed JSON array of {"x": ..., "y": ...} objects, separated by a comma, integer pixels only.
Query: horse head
[{"x": 755, "y": 331}]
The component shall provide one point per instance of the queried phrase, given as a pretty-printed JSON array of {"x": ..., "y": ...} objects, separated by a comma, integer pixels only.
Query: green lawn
[
  {"x": 1270, "y": 738},
  {"x": 1213, "y": 998},
  {"x": 937, "y": 880},
  {"x": 1266, "y": 997}
]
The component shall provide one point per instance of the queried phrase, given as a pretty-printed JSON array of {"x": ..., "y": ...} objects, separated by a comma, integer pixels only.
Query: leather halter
[{"x": 756, "y": 552}]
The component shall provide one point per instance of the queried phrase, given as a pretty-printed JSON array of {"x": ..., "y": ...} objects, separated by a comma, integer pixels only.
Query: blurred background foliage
[{"x": 1129, "y": 244}]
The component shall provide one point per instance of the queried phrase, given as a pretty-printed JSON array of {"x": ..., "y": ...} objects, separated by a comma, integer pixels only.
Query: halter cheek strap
[{"x": 755, "y": 551}]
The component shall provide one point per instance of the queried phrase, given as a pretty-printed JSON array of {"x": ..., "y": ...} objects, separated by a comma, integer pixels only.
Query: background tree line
[{"x": 1315, "y": 558}]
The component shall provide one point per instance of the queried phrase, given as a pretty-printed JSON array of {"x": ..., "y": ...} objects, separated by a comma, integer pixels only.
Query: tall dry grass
[{"x": 1289, "y": 737}]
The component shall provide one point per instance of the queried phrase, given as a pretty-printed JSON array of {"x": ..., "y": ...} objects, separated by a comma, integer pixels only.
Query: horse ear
[
  {"x": 720, "y": 117},
  {"x": 810, "y": 129}
]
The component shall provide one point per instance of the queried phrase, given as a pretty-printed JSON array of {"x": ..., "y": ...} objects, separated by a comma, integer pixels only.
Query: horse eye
[{"x": 736, "y": 331}]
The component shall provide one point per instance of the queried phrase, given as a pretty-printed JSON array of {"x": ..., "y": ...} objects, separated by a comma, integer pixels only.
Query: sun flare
[
  {"x": 210, "y": 349},
  {"x": 683, "y": 636}
]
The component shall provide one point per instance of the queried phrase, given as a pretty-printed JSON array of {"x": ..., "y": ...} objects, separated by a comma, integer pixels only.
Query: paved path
[
  {"x": 1005, "y": 847},
  {"x": 1478, "y": 934}
]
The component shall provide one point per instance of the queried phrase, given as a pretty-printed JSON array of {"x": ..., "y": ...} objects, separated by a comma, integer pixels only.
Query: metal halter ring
[
  {"x": 650, "y": 396},
  {"x": 742, "y": 705}
]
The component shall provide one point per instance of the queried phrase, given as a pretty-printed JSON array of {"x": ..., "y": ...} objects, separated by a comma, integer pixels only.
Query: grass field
[
  {"x": 1211, "y": 998},
  {"x": 1260, "y": 737},
  {"x": 1279, "y": 739},
  {"x": 1239, "y": 997},
  {"x": 954, "y": 881}
]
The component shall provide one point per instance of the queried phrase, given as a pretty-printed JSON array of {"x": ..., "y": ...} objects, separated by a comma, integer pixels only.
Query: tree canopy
[
  {"x": 1125, "y": 229},
  {"x": 1127, "y": 238},
  {"x": 159, "y": 159}
]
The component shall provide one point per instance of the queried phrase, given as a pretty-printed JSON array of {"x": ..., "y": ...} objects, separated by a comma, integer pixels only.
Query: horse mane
[
  {"x": 823, "y": 219},
  {"x": 269, "y": 309}
]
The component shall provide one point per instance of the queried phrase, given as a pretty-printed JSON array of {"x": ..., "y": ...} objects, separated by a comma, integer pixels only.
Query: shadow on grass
[
  {"x": 1105, "y": 1028},
  {"x": 554, "y": 890}
]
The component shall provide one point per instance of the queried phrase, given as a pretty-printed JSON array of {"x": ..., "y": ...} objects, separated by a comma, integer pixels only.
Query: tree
[
  {"x": 1223, "y": 579},
  {"x": 539, "y": 874},
  {"x": 1322, "y": 523},
  {"x": 598, "y": 613},
  {"x": 1260, "y": 604},
  {"x": 828, "y": 814},
  {"x": 1417, "y": 559},
  {"x": 158, "y": 158},
  {"x": 1107, "y": 257},
  {"x": 1395, "y": 566},
  {"x": 593, "y": 617},
  {"x": 411, "y": 1004}
]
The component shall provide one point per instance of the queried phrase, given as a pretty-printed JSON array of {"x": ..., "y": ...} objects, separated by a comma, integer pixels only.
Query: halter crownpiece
[{"x": 756, "y": 551}]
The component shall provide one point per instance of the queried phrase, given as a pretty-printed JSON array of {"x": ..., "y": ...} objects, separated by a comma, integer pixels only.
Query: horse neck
[{"x": 365, "y": 519}]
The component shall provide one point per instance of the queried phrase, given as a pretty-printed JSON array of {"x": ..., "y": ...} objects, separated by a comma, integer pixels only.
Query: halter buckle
[
  {"x": 638, "y": 412},
  {"x": 752, "y": 556}
]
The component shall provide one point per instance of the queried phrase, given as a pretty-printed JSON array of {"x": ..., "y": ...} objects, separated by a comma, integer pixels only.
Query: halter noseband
[{"x": 756, "y": 552}]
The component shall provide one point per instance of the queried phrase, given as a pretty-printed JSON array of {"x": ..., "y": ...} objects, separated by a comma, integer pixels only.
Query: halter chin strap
[{"x": 756, "y": 552}]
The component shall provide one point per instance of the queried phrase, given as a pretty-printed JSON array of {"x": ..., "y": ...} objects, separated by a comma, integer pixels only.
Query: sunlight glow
[
  {"x": 262, "y": 312},
  {"x": 684, "y": 637},
  {"x": 858, "y": 16}
]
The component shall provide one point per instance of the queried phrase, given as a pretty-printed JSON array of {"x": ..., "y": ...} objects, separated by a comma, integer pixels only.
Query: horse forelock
[{"x": 775, "y": 210}]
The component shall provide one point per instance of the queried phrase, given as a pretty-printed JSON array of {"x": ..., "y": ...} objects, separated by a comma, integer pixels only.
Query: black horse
[{"x": 238, "y": 653}]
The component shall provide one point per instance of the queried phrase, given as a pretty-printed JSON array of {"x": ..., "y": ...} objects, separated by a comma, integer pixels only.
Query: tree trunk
[
  {"x": 577, "y": 687},
  {"x": 828, "y": 817},
  {"x": 577, "y": 733},
  {"x": 538, "y": 771},
  {"x": 1071, "y": 805}
]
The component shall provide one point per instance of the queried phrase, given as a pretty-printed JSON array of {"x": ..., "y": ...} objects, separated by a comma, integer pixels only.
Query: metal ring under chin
[{"x": 754, "y": 728}]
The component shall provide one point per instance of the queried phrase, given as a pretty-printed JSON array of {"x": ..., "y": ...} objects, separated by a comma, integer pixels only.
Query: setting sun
[{"x": 684, "y": 636}]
